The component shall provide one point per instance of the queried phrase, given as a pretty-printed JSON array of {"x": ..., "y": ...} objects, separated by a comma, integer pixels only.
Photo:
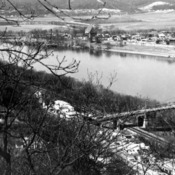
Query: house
[
  {"x": 116, "y": 38},
  {"x": 135, "y": 37},
  {"x": 161, "y": 35},
  {"x": 81, "y": 36},
  {"x": 152, "y": 34},
  {"x": 107, "y": 36}
]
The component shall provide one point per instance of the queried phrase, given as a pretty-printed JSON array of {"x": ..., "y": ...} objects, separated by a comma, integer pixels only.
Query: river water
[{"x": 136, "y": 75}]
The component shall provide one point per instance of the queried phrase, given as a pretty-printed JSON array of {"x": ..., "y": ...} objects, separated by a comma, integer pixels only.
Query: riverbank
[
  {"x": 162, "y": 55},
  {"x": 160, "y": 51},
  {"x": 163, "y": 52}
]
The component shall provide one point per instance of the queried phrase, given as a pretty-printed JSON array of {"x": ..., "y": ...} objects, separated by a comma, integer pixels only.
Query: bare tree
[
  {"x": 35, "y": 140},
  {"x": 15, "y": 100}
]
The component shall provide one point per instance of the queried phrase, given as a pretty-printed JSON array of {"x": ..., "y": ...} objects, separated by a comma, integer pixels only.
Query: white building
[
  {"x": 64, "y": 109},
  {"x": 63, "y": 106}
]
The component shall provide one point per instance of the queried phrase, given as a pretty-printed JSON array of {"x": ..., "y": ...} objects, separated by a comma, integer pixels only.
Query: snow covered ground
[{"x": 154, "y": 4}]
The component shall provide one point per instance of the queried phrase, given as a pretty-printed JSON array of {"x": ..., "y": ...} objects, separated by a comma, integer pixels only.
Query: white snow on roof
[{"x": 165, "y": 11}]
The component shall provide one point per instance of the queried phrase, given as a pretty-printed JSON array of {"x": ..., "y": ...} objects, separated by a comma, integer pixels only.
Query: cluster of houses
[
  {"x": 155, "y": 37},
  {"x": 150, "y": 37},
  {"x": 136, "y": 154},
  {"x": 93, "y": 34},
  {"x": 139, "y": 157}
]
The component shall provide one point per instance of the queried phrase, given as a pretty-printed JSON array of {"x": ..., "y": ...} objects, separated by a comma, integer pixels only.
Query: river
[{"x": 136, "y": 75}]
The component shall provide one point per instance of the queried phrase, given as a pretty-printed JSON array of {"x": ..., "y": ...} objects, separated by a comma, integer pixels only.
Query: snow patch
[
  {"x": 100, "y": 1},
  {"x": 164, "y": 11},
  {"x": 150, "y": 6},
  {"x": 111, "y": 10},
  {"x": 93, "y": 11}
]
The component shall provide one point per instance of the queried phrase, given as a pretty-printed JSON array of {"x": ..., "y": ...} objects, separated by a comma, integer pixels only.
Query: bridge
[
  {"x": 119, "y": 121},
  {"x": 142, "y": 115}
]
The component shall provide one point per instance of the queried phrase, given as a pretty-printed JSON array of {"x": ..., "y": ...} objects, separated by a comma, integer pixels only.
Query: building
[{"x": 63, "y": 109}]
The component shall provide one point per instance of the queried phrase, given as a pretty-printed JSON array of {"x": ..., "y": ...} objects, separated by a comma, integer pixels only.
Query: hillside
[{"x": 123, "y": 5}]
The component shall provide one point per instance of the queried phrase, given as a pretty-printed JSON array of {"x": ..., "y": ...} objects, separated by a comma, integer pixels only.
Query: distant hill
[
  {"x": 129, "y": 6},
  {"x": 158, "y": 6}
]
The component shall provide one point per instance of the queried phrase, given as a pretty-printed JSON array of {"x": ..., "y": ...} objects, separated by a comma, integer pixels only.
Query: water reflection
[
  {"x": 123, "y": 54},
  {"x": 157, "y": 58},
  {"x": 98, "y": 53}
]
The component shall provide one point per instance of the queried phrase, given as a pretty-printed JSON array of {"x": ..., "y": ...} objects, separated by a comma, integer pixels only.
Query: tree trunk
[{"x": 7, "y": 159}]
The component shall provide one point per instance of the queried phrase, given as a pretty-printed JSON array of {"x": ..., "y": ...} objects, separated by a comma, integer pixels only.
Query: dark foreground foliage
[{"x": 35, "y": 141}]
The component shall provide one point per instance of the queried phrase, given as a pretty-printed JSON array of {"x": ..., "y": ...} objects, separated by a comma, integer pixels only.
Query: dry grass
[
  {"x": 143, "y": 21},
  {"x": 125, "y": 22}
]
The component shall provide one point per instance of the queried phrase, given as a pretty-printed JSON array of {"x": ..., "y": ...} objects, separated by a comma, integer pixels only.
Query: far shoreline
[
  {"x": 164, "y": 53},
  {"x": 141, "y": 53}
]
